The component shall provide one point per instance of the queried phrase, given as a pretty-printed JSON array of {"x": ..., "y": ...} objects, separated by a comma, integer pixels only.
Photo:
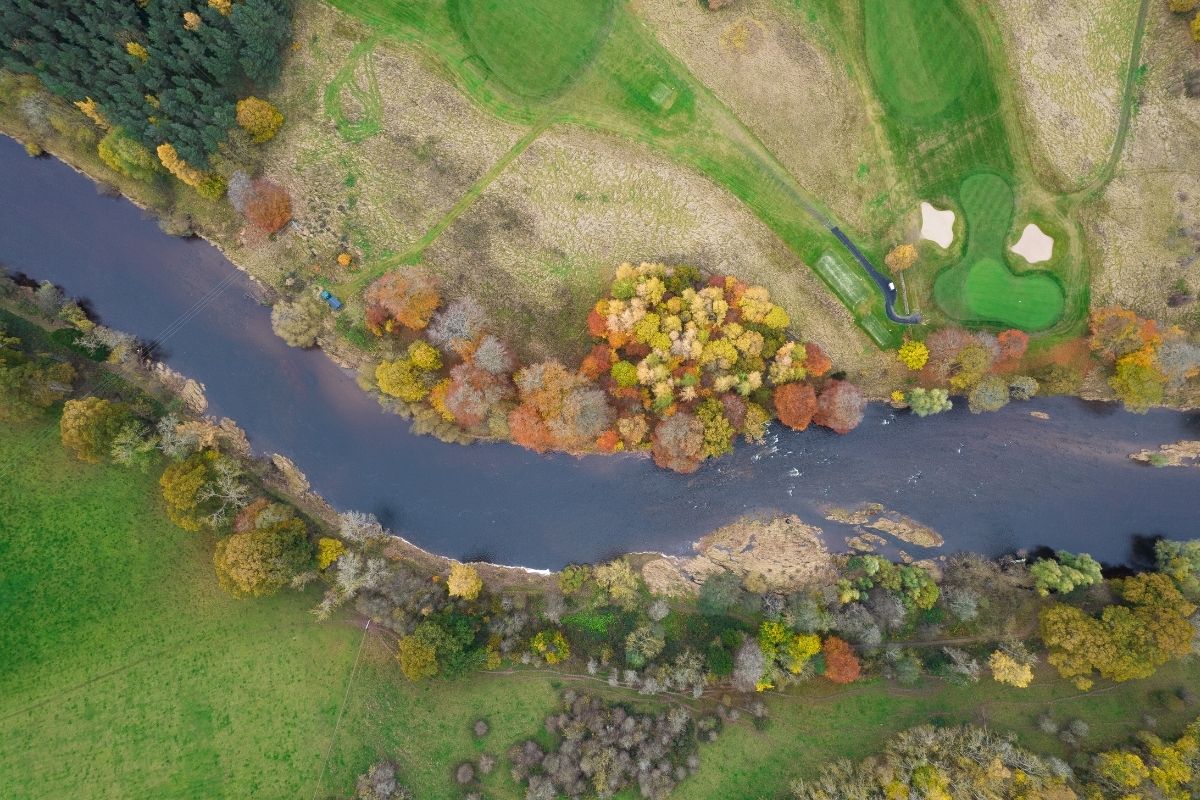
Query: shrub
[
  {"x": 298, "y": 322},
  {"x": 268, "y": 207},
  {"x": 990, "y": 394},
  {"x": 124, "y": 154}
]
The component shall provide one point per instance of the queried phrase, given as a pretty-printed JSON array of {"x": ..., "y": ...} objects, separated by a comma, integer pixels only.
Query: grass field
[
  {"x": 505, "y": 34},
  {"x": 980, "y": 288}
]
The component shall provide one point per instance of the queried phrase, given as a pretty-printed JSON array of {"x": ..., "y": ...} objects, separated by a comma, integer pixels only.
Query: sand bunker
[
  {"x": 937, "y": 226},
  {"x": 1035, "y": 246}
]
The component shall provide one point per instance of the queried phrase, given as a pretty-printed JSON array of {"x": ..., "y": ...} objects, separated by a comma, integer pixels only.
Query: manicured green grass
[
  {"x": 980, "y": 288},
  {"x": 921, "y": 61},
  {"x": 533, "y": 47},
  {"x": 929, "y": 66}
]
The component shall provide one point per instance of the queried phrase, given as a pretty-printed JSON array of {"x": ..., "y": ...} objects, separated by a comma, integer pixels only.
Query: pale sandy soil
[
  {"x": 777, "y": 554},
  {"x": 1034, "y": 246},
  {"x": 937, "y": 225}
]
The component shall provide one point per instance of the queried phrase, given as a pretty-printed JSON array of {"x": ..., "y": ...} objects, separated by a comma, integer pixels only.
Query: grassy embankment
[
  {"x": 129, "y": 673},
  {"x": 937, "y": 68},
  {"x": 604, "y": 71}
]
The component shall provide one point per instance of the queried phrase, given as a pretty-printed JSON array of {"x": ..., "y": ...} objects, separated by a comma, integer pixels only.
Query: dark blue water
[{"x": 989, "y": 483}]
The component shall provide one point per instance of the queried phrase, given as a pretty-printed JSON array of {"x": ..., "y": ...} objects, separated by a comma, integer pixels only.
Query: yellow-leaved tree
[
  {"x": 258, "y": 118},
  {"x": 464, "y": 582}
]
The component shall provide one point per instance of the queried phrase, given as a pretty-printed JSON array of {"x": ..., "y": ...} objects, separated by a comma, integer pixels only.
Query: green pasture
[
  {"x": 980, "y": 288},
  {"x": 596, "y": 66}
]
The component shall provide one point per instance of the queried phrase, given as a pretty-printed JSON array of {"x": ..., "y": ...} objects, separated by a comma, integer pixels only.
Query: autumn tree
[
  {"x": 258, "y": 118},
  {"x": 1009, "y": 670},
  {"x": 89, "y": 425},
  {"x": 559, "y": 408},
  {"x": 900, "y": 258},
  {"x": 841, "y": 664},
  {"x": 457, "y": 326},
  {"x": 28, "y": 387},
  {"x": 678, "y": 443},
  {"x": 619, "y": 582},
  {"x": 406, "y": 297},
  {"x": 209, "y": 185},
  {"x": 816, "y": 362},
  {"x": 1013, "y": 344},
  {"x": 262, "y": 561},
  {"x": 464, "y": 582},
  {"x": 298, "y": 322},
  {"x": 718, "y": 430},
  {"x": 1126, "y": 641},
  {"x": 795, "y": 404},
  {"x": 913, "y": 354},
  {"x": 268, "y": 206},
  {"x": 412, "y": 377},
  {"x": 1139, "y": 386},
  {"x": 840, "y": 407},
  {"x": 552, "y": 646}
]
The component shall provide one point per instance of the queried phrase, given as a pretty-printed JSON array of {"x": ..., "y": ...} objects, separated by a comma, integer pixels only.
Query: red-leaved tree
[
  {"x": 841, "y": 665},
  {"x": 269, "y": 207},
  {"x": 795, "y": 404},
  {"x": 840, "y": 407}
]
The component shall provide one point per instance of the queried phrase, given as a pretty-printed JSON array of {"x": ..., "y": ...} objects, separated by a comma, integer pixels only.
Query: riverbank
[{"x": 546, "y": 511}]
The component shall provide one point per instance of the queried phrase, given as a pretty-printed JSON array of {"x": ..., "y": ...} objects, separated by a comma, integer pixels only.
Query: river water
[{"x": 989, "y": 483}]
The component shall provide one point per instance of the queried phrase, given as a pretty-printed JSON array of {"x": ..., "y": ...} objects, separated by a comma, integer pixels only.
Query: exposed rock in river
[
  {"x": 780, "y": 553},
  {"x": 1180, "y": 454},
  {"x": 877, "y": 517}
]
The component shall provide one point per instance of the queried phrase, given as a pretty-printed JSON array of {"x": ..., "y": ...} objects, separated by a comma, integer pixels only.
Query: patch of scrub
[
  {"x": 1035, "y": 245},
  {"x": 937, "y": 225}
]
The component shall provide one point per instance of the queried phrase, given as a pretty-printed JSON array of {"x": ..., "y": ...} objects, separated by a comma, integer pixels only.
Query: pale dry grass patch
[
  {"x": 541, "y": 243},
  {"x": 379, "y": 194},
  {"x": 1068, "y": 58},
  {"x": 776, "y": 76}
]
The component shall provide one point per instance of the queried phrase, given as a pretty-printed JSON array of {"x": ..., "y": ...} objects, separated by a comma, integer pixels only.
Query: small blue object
[{"x": 334, "y": 303}]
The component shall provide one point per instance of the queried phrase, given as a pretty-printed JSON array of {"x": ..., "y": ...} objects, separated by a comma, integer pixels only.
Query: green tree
[
  {"x": 926, "y": 402},
  {"x": 1065, "y": 573},
  {"x": 124, "y": 154}
]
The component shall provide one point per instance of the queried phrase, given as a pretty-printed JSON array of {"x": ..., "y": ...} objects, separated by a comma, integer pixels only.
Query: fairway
[
  {"x": 533, "y": 47},
  {"x": 980, "y": 288},
  {"x": 920, "y": 53}
]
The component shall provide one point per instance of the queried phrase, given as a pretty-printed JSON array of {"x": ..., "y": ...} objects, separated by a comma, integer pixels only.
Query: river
[{"x": 989, "y": 483}]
